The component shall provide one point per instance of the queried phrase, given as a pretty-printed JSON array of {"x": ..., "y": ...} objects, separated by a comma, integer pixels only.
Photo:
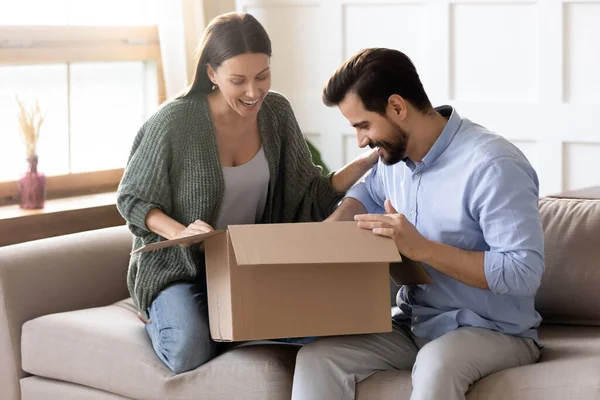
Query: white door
[{"x": 527, "y": 70}]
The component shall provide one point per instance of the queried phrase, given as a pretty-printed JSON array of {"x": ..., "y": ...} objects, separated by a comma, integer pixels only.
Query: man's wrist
[{"x": 428, "y": 252}]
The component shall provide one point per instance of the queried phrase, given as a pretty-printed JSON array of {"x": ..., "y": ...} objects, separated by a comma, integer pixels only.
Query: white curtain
[{"x": 180, "y": 27}]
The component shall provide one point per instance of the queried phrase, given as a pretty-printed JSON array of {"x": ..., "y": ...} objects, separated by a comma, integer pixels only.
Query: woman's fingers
[{"x": 201, "y": 225}]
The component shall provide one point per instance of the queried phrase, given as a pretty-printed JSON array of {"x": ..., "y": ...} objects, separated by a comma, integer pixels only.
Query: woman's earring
[{"x": 215, "y": 86}]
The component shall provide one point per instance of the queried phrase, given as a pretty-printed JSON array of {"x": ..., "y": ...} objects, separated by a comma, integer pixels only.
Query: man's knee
[
  {"x": 313, "y": 353},
  {"x": 444, "y": 362},
  {"x": 326, "y": 352},
  {"x": 432, "y": 362}
]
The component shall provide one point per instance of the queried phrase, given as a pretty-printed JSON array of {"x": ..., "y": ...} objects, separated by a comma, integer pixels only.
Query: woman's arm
[
  {"x": 145, "y": 183},
  {"x": 306, "y": 195},
  {"x": 165, "y": 226},
  {"x": 344, "y": 178}
]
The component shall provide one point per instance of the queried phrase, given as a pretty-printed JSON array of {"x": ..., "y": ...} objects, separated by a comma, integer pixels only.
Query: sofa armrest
[{"x": 58, "y": 274}]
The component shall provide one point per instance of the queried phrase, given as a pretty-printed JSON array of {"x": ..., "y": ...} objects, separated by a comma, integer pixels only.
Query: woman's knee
[
  {"x": 179, "y": 328},
  {"x": 185, "y": 349}
]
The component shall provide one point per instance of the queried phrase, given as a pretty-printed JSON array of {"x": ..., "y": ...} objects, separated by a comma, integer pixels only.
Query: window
[
  {"x": 78, "y": 12},
  {"x": 95, "y": 67}
]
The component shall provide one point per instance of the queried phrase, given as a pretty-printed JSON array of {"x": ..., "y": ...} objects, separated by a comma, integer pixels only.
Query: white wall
[
  {"x": 529, "y": 70},
  {"x": 212, "y": 8}
]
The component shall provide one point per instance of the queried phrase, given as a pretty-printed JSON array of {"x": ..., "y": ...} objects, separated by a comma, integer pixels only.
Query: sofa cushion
[
  {"x": 107, "y": 348},
  {"x": 36, "y": 388},
  {"x": 569, "y": 289},
  {"x": 569, "y": 368}
]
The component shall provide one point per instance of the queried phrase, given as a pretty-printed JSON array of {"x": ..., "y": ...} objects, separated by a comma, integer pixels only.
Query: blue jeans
[{"x": 179, "y": 328}]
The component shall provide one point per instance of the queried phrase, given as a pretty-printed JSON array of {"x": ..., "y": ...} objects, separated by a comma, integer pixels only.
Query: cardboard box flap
[
  {"x": 310, "y": 243},
  {"x": 175, "y": 242}
]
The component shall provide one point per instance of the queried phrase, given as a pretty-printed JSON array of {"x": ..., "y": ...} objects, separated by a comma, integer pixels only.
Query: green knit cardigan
[{"x": 174, "y": 166}]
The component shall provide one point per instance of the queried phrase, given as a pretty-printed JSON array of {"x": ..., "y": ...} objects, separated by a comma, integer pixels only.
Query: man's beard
[{"x": 395, "y": 147}]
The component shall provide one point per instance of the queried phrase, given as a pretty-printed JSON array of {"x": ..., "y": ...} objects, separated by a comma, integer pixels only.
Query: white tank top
[{"x": 246, "y": 190}]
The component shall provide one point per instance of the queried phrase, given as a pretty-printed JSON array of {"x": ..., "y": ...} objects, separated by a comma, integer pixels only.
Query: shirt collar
[{"x": 453, "y": 125}]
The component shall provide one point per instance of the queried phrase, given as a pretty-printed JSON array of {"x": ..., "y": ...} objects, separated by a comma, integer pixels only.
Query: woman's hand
[
  {"x": 343, "y": 179},
  {"x": 195, "y": 228},
  {"x": 165, "y": 226},
  {"x": 370, "y": 158}
]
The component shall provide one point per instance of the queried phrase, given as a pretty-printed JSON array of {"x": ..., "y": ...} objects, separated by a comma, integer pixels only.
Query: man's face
[{"x": 375, "y": 130}]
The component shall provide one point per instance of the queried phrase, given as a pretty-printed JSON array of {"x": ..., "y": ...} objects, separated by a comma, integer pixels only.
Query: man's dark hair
[{"x": 374, "y": 75}]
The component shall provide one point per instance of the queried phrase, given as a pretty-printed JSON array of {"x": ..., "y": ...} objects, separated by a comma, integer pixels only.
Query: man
[{"x": 460, "y": 200}]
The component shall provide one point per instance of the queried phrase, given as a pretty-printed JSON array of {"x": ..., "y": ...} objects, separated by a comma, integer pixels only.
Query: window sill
[{"x": 59, "y": 217}]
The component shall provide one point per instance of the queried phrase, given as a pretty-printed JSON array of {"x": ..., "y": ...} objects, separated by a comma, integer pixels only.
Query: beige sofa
[{"x": 66, "y": 331}]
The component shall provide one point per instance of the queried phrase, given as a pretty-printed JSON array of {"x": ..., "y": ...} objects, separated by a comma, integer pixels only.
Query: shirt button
[
  {"x": 416, "y": 177},
  {"x": 417, "y": 319},
  {"x": 412, "y": 213}
]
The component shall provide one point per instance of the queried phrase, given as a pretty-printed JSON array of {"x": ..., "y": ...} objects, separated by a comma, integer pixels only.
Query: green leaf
[{"x": 316, "y": 157}]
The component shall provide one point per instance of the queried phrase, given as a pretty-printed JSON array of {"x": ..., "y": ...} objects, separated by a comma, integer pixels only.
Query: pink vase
[{"x": 32, "y": 186}]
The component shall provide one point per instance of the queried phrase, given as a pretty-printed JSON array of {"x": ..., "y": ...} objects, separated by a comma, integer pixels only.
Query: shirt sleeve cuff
[
  {"x": 493, "y": 267},
  {"x": 360, "y": 193}
]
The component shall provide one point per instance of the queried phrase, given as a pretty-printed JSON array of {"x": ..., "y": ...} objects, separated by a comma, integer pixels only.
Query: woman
[{"x": 226, "y": 152}]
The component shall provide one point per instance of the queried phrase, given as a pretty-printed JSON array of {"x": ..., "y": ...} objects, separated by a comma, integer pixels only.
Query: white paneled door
[{"x": 528, "y": 70}]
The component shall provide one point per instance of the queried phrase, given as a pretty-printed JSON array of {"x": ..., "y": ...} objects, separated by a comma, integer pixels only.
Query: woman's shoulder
[
  {"x": 175, "y": 116},
  {"x": 277, "y": 103},
  {"x": 179, "y": 109}
]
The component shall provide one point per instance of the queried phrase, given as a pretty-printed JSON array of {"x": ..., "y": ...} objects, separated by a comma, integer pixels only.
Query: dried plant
[{"x": 30, "y": 122}]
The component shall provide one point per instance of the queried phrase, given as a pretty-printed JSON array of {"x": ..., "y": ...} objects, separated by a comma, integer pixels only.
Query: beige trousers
[{"x": 330, "y": 368}]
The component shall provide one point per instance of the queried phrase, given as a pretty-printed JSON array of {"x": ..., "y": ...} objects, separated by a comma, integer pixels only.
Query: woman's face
[{"x": 244, "y": 81}]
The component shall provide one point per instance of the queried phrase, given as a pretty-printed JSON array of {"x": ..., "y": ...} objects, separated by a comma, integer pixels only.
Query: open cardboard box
[{"x": 297, "y": 280}]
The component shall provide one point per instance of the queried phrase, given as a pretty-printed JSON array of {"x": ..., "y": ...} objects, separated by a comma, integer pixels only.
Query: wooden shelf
[{"x": 59, "y": 217}]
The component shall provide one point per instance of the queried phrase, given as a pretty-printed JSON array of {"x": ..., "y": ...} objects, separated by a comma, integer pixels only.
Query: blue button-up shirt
[{"x": 476, "y": 191}]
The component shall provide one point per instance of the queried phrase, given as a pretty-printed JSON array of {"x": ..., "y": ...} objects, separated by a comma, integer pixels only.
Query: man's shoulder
[{"x": 484, "y": 146}]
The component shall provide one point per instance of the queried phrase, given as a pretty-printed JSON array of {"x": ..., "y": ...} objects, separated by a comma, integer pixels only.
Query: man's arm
[
  {"x": 504, "y": 199},
  {"x": 505, "y": 202},
  {"x": 462, "y": 265}
]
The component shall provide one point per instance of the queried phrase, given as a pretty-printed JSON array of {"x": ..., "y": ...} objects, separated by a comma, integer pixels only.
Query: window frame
[{"x": 27, "y": 45}]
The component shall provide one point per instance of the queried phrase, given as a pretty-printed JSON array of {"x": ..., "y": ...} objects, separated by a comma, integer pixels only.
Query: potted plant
[{"x": 316, "y": 157}]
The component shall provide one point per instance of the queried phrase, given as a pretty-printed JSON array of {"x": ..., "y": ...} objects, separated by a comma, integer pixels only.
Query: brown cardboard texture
[{"x": 296, "y": 280}]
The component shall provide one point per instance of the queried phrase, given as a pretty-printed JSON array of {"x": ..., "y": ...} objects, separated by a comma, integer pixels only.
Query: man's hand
[{"x": 394, "y": 225}]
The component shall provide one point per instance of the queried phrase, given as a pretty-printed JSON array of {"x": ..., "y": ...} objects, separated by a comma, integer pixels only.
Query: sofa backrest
[
  {"x": 57, "y": 274},
  {"x": 570, "y": 289}
]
